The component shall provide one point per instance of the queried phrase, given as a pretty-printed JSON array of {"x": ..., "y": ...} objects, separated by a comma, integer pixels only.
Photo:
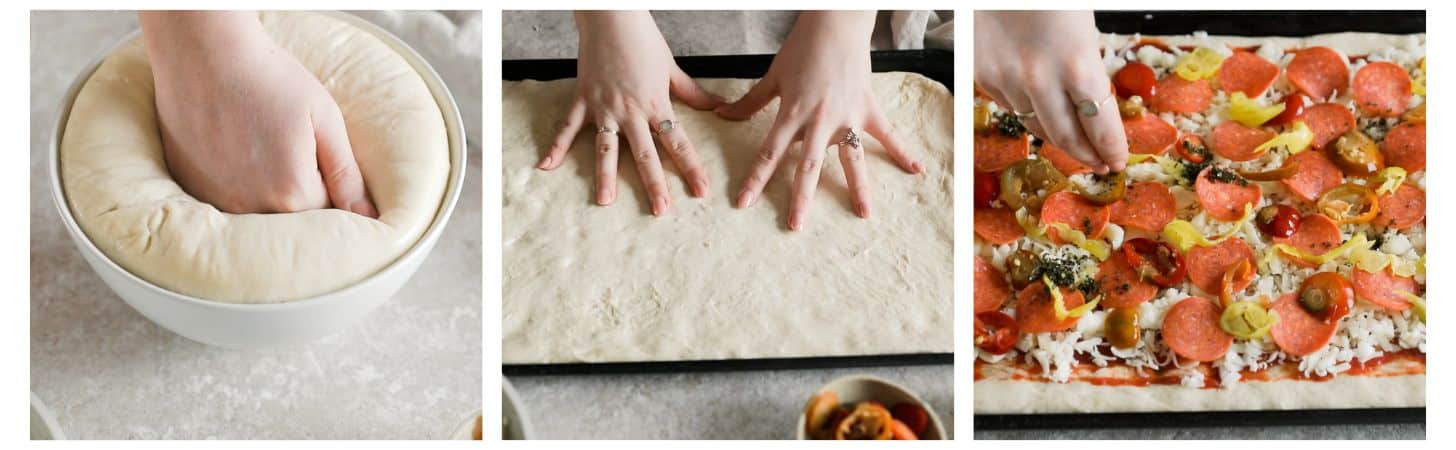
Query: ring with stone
[
  {"x": 665, "y": 127},
  {"x": 850, "y": 138},
  {"x": 1090, "y": 108}
]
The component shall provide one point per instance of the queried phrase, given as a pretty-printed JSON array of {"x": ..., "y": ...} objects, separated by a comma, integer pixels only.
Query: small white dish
[
  {"x": 517, "y": 425},
  {"x": 43, "y": 426},
  {"x": 861, "y": 388},
  {"x": 252, "y": 326}
]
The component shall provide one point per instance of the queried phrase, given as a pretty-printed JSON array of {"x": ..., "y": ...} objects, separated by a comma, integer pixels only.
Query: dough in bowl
[{"x": 119, "y": 190}]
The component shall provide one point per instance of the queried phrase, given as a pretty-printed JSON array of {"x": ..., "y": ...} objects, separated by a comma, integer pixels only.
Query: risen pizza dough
[
  {"x": 584, "y": 283},
  {"x": 121, "y": 194}
]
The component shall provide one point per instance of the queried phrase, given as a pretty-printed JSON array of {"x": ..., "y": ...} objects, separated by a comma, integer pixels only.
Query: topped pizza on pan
[{"x": 1265, "y": 244}]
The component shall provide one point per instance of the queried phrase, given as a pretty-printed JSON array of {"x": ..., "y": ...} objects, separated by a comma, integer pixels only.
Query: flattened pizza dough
[
  {"x": 118, "y": 187},
  {"x": 584, "y": 283}
]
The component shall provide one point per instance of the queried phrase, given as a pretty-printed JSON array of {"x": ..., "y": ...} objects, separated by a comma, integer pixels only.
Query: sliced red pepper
[
  {"x": 1191, "y": 148},
  {"x": 1239, "y": 271}
]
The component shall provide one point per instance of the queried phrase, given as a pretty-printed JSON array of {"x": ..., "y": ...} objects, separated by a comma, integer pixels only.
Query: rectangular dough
[{"x": 585, "y": 283}]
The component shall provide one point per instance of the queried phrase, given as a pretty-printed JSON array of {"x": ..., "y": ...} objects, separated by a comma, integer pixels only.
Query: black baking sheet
[
  {"x": 938, "y": 65},
  {"x": 1238, "y": 23}
]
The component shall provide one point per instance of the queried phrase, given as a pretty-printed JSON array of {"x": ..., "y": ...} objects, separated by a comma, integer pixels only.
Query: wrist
[
  {"x": 590, "y": 24},
  {"x": 855, "y": 25},
  {"x": 194, "y": 37}
]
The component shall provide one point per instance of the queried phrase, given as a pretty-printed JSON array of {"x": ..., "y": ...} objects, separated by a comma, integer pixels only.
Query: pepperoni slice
[
  {"x": 1316, "y": 234},
  {"x": 1382, "y": 89},
  {"x": 1149, "y": 135},
  {"x": 1405, "y": 146},
  {"x": 1034, "y": 311},
  {"x": 1403, "y": 208},
  {"x": 1383, "y": 288},
  {"x": 1070, "y": 208},
  {"x": 1297, "y": 332},
  {"x": 1206, "y": 265},
  {"x": 1121, "y": 285},
  {"x": 995, "y": 151},
  {"x": 1061, "y": 160},
  {"x": 1146, "y": 206},
  {"x": 1328, "y": 121},
  {"x": 1318, "y": 72},
  {"x": 1191, "y": 330},
  {"x": 997, "y": 226},
  {"x": 1225, "y": 200},
  {"x": 1316, "y": 175},
  {"x": 1248, "y": 73},
  {"x": 1177, "y": 95},
  {"x": 1236, "y": 142},
  {"x": 991, "y": 289}
]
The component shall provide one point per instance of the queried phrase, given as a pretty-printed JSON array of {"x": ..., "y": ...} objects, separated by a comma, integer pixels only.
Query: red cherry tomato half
[
  {"x": 1155, "y": 261},
  {"x": 1280, "y": 221},
  {"x": 996, "y": 332},
  {"x": 1135, "y": 79},
  {"x": 1191, "y": 148},
  {"x": 913, "y": 416},
  {"x": 1327, "y": 295},
  {"x": 988, "y": 188},
  {"x": 1293, "y": 107}
]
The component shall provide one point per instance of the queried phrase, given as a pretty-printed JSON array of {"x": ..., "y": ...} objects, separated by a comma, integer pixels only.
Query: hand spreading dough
[
  {"x": 822, "y": 75},
  {"x": 245, "y": 127},
  {"x": 119, "y": 189}
]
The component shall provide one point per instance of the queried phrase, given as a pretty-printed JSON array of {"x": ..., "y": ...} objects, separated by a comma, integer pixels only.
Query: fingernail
[
  {"x": 364, "y": 209},
  {"x": 700, "y": 188},
  {"x": 794, "y": 224},
  {"x": 916, "y": 167},
  {"x": 862, "y": 209},
  {"x": 545, "y": 162},
  {"x": 604, "y": 195},
  {"x": 659, "y": 206},
  {"x": 745, "y": 199}
]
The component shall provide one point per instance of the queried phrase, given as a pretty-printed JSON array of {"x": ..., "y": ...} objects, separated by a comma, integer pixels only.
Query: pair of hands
[
  {"x": 627, "y": 79},
  {"x": 1044, "y": 62},
  {"x": 245, "y": 127}
]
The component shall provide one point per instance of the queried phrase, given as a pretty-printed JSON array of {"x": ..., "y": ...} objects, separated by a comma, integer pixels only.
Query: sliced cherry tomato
[
  {"x": 1280, "y": 221},
  {"x": 1191, "y": 148},
  {"x": 913, "y": 416},
  {"x": 1155, "y": 261},
  {"x": 1356, "y": 154},
  {"x": 996, "y": 332},
  {"x": 1135, "y": 79},
  {"x": 868, "y": 421},
  {"x": 819, "y": 413},
  {"x": 1350, "y": 203},
  {"x": 1239, "y": 271},
  {"x": 1293, "y": 107},
  {"x": 1327, "y": 295},
  {"x": 1028, "y": 182},
  {"x": 988, "y": 188},
  {"x": 1122, "y": 327}
]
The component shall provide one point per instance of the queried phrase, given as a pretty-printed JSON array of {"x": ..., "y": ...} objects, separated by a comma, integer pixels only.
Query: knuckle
[
  {"x": 809, "y": 166},
  {"x": 680, "y": 147},
  {"x": 767, "y": 155},
  {"x": 605, "y": 148}
]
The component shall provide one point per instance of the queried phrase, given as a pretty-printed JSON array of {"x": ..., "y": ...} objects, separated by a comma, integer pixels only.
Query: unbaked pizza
[{"x": 1264, "y": 248}]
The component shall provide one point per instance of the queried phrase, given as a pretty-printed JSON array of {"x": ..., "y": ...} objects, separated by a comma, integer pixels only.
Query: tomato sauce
[{"x": 1405, "y": 362}]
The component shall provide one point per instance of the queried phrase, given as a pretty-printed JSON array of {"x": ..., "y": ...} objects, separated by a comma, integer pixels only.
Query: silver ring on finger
[
  {"x": 1089, "y": 108},
  {"x": 602, "y": 129},
  {"x": 666, "y": 126},
  {"x": 1024, "y": 115},
  {"x": 850, "y": 138}
]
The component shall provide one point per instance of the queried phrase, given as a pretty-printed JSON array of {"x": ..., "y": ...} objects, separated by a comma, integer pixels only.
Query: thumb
[
  {"x": 336, "y": 163},
  {"x": 691, "y": 93},
  {"x": 756, "y": 98}
]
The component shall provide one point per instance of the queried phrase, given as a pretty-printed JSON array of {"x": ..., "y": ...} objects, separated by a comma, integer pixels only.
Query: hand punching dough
[
  {"x": 118, "y": 188},
  {"x": 586, "y": 283}
]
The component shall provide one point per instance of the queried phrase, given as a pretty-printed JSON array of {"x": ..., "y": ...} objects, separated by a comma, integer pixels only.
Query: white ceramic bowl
[
  {"x": 517, "y": 425},
  {"x": 269, "y": 325},
  {"x": 860, "y": 388},
  {"x": 43, "y": 426}
]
